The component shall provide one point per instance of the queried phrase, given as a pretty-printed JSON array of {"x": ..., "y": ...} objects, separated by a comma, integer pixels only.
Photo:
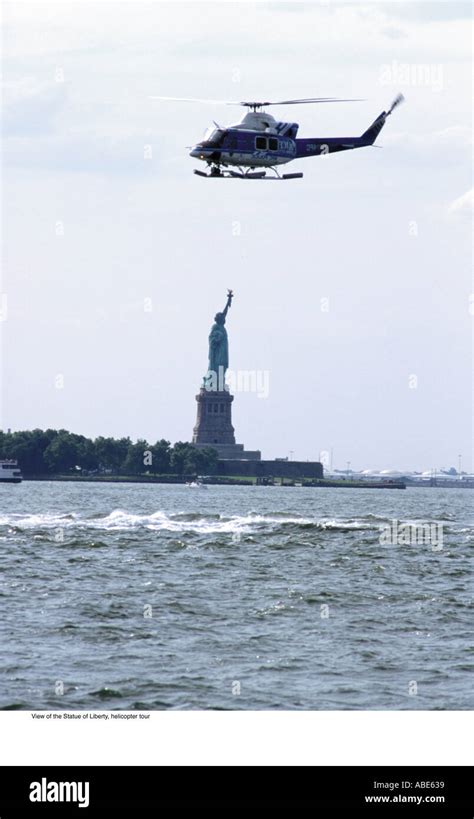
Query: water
[{"x": 167, "y": 597}]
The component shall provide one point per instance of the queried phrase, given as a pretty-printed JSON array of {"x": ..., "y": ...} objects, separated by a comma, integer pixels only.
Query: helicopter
[{"x": 259, "y": 142}]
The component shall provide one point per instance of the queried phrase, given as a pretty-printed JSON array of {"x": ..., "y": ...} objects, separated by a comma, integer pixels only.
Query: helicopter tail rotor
[{"x": 397, "y": 101}]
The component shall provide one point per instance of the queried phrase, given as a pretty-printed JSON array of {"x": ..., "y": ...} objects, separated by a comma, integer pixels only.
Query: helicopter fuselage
[
  {"x": 260, "y": 141},
  {"x": 251, "y": 149},
  {"x": 246, "y": 148}
]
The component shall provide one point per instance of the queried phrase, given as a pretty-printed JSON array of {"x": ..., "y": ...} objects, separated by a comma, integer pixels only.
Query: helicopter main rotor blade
[
  {"x": 253, "y": 104},
  {"x": 310, "y": 100},
  {"x": 193, "y": 99}
]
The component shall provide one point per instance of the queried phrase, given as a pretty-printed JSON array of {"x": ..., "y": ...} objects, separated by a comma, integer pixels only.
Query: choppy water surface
[{"x": 153, "y": 597}]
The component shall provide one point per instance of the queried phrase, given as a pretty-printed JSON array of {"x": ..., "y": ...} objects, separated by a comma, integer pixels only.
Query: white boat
[
  {"x": 196, "y": 485},
  {"x": 9, "y": 472}
]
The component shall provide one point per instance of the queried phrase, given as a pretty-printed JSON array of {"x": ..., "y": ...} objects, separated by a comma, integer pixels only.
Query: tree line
[{"x": 50, "y": 451}]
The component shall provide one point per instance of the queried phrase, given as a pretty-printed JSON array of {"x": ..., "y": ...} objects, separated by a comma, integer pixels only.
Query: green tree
[
  {"x": 208, "y": 460},
  {"x": 111, "y": 452},
  {"x": 180, "y": 452},
  {"x": 87, "y": 454},
  {"x": 62, "y": 454},
  {"x": 161, "y": 455},
  {"x": 58, "y": 451},
  {"x": 187, "y": 459},
  {"x": 136, "y": 461},
  {"x": 27, "y": 447}
]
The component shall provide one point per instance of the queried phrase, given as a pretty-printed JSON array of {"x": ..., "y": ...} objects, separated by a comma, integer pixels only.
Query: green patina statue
[{"x": 218, "y": 350}]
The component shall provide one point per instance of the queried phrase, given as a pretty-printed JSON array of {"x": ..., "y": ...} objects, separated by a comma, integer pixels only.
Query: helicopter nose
[{"x": 201, "y": 152}]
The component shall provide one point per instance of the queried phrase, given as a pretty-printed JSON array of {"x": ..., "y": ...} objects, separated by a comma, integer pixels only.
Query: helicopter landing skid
[{"x": 217, "y": 173}]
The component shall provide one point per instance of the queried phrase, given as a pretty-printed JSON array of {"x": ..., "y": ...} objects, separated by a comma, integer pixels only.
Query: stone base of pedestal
[
  {"x": 214, "y": 426},
  {"x": 233, "y": 452}
]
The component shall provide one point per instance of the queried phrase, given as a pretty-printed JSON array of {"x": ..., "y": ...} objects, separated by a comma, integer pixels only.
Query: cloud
[
  {"x": 31, "y": 108},
  {"x": 131, "y": 153},
  {"x": 393, "y": 33},
  {"x": 48, "y": 126},
  {"x": 462, "y": 206},
  {"x": 447, "y": 145},
  {"x": 426, "y": 10}
]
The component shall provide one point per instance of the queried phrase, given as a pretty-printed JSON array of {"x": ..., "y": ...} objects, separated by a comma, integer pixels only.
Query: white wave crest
[{"x": 121, "y": 520}]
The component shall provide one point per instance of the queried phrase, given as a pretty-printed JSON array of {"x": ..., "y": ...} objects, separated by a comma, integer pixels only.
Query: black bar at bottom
[{"x": 372, "y": 791}]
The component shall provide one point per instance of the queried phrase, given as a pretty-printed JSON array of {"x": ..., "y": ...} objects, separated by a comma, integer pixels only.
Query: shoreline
[
  {"x": 219, "y": 481},
  {"x": 251, "y": 481}
]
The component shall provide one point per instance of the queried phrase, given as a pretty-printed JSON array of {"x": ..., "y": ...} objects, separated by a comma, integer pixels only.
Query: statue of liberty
[{"x": 218, "y": 350}]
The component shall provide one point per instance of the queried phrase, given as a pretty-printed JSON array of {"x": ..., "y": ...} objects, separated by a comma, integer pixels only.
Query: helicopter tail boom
[
  {"x": 370, "y": 135},
  {"x": 319, "y": 146}
]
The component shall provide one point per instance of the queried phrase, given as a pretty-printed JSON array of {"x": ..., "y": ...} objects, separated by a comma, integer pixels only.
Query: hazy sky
[{"x": 352, "y": 285}]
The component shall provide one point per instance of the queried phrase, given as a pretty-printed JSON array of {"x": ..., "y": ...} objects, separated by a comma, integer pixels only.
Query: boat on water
[
  {"x": 196, "y": 484},
  {"x": 9, "y": 472}
]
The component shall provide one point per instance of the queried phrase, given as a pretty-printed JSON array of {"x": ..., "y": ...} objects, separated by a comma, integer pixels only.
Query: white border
[{"x": 240, "y": 738}]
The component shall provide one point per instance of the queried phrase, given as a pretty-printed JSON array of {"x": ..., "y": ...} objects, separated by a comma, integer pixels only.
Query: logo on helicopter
[{"x": 287, "y": 145}]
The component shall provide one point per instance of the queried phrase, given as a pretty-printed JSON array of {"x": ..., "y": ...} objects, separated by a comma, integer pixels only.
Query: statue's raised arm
[{"x": 230, "y": 296}]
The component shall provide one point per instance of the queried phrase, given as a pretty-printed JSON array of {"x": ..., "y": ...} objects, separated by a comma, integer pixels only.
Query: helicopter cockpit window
[{"x": 213, "y": 135}]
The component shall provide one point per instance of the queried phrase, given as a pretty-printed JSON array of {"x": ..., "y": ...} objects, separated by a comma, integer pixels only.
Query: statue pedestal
[
  {"x": 214, "y": 418},
  {"x": 214, "y": 425}
]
